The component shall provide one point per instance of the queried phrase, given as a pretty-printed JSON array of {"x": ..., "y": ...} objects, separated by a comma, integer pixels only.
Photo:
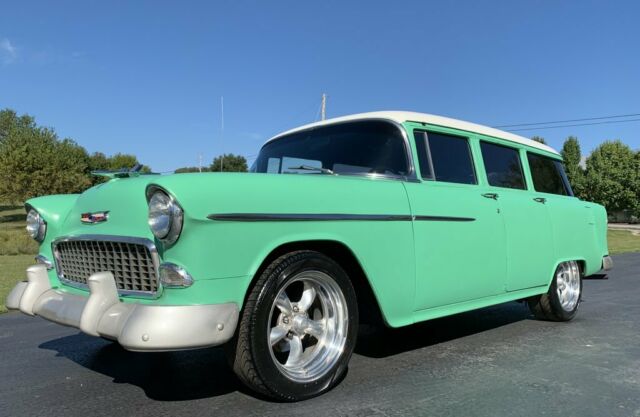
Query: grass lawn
[
  {"x": 13, "y": 237},
  {"x": 17, "y": 249},
  {"x": 622, "y": 241},
  {"x": 12, "y": 270}
]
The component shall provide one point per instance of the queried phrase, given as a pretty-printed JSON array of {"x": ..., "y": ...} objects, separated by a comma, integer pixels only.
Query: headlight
[
  {"x": 36, "y": 226},
  {"x": 165, "y": 217}
]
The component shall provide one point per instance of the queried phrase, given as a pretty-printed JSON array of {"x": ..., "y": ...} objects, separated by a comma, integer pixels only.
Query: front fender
[
  {"x": 232, "y": 251},
  {"x": 54, "y": 209}
]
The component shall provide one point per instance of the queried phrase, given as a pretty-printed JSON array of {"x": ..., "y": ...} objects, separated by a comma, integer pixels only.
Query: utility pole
[
  {"x": 221, "y": 131},
  {"x": 324, "y": 107}
]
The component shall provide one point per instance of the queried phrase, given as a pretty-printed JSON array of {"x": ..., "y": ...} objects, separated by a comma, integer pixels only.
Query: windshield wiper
[{"x": 311, "y": 168}]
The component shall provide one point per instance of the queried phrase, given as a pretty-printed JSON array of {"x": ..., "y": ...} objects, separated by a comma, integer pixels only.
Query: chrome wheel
[
  {"x": 307, "y": 336},
  {"x": 568, "y": 285}
]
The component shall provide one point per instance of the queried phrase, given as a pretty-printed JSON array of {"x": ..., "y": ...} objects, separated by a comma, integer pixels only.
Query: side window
[
  {"x": 502, "y": 165},
  {"x": 445, "y": 158},
  {"x": 548, "y": 175}
]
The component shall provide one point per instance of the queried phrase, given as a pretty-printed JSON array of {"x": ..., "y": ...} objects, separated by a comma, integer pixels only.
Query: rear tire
[
  {"x": 298, "y": 328},
  {"x": 562, "y": 300}
]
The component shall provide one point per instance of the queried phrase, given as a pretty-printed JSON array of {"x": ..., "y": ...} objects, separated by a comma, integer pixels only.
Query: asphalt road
[{"x": 495, "y": 362}]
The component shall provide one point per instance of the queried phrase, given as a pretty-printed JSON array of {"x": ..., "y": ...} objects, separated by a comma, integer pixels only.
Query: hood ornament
[{"x": 93, "y": 218}]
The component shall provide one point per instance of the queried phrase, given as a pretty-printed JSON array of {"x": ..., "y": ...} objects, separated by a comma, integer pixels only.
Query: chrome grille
[{"x": 133, "y": 262}]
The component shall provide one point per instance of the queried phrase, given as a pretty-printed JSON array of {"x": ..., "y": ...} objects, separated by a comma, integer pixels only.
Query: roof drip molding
[{"x": 404, "y": 116}]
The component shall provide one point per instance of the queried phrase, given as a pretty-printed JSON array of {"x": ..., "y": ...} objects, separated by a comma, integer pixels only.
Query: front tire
[
  {"x": 561, "y": 302},
  {"x": 298, "y": 328}
]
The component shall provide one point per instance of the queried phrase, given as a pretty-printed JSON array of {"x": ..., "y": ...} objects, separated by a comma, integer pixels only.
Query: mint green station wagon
[{"x": 392, "y": 216}]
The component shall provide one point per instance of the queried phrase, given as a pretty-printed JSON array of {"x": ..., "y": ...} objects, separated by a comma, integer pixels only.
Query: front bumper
[
  {"x": 138, "y": 327},
  {"x": 607, "y": 263}
]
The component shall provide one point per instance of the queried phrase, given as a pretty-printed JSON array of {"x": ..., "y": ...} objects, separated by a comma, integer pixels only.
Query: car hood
[{"x": 122, "y": 200}]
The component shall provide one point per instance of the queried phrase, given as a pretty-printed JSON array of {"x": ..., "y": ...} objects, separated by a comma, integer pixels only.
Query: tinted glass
[
  {"x": 547, "y": 174},
  {"x": 445, "y": 158},
  {"x": 502, "y": 165},
  {"x": 369, "y": 147}
]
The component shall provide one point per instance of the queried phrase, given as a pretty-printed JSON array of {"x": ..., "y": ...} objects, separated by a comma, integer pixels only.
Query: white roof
[{"x": 405, "y": 116}]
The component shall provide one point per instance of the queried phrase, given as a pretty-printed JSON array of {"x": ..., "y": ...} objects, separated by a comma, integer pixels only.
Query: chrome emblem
[{"x": 93, "y": 218}]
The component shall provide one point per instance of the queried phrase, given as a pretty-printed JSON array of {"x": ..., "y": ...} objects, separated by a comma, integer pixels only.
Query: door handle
[
  {"x": 540, "y": 200},
  {"x": 490, "y": 195}
]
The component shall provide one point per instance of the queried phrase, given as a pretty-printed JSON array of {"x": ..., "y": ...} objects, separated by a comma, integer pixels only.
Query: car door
[
  {"x": 572, "y": 220},
  {"x": 527, "y": 223},
  {"x": 458, "y": 233}
]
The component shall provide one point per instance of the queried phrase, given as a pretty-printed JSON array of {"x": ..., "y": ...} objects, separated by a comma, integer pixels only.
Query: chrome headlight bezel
[
  {"x": 36, "y": 225},
  {"x": 162, "y": 204}
]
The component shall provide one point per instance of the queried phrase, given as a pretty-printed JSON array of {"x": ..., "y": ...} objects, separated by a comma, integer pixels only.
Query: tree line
[
  {"x": 223, "y": 163},
  {"x": 609, "y": 176},
  {"x": 34, "y": 162}
]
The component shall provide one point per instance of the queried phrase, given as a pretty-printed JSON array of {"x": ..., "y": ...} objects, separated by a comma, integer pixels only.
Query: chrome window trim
[
  {"x": 411, "y": 175},
  {"x": 111, "y": 238}
]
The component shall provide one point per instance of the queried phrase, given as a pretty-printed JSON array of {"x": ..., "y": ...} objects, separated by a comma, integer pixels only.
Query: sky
[{"x": 147, "y": 77}]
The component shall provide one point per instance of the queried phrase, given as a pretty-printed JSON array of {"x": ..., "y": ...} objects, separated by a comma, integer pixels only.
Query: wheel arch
[
  {"x": 582, "y": 264},
  {"x": 369, "y": 307}
]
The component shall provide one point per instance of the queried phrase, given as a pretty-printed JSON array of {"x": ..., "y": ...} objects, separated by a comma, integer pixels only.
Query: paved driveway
[{"x": 496, "y": 361}]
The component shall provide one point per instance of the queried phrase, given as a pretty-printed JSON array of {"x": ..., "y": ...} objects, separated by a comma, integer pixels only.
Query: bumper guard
[{"x": 138, "y": 327}]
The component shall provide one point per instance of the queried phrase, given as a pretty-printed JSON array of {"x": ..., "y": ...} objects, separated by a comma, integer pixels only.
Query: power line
[
  {"x": 573, "y": 125},
  {"x": 572, "y": 120}
]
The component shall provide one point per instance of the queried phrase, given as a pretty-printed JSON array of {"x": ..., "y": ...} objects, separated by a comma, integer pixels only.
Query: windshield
[{"x": 355, "y": 148}]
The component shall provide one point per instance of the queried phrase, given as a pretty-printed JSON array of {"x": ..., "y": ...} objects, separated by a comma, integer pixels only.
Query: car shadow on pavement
[
  {"x": 205, "y": 373},
  {"x": 382, "y": 342},
  {"x": 164, "y": 376}
]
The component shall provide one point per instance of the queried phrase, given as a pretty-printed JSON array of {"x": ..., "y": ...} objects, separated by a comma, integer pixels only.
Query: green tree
[
  {"x": 122, "y": 161},
  {"x": 613, "y": 178},
  {"x": 571, "y": 154},
  {"x": 98, "y": 162},
  {"x": 118, "y": 162},
  {"x": 10, "y": 120},
  {"x": 184, "y": 170},
  {"x": 539, "y": 139},
  {"x": 229, "y": 163},
  {"x": 34, "y": 162}
]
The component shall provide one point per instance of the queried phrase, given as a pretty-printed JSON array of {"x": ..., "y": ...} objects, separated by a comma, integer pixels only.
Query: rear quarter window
[{"x": 548, "y": 175}]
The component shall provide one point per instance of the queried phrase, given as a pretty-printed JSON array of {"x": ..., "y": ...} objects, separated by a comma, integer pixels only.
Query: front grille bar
[{"x": 133, "y": 262}]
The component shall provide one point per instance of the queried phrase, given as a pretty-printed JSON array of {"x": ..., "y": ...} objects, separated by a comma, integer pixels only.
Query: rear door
[
  {"x": 458, "y": 233},
  {"x": 571, "y": 219},
  {"x": 529, "y": 239}
]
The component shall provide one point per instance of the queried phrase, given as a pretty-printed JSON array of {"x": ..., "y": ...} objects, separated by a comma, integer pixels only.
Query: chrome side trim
[
  {"x": 443, "y": 219},
  {"x": 303, "y": 217},
  {"x": 112, "y": 238}
]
